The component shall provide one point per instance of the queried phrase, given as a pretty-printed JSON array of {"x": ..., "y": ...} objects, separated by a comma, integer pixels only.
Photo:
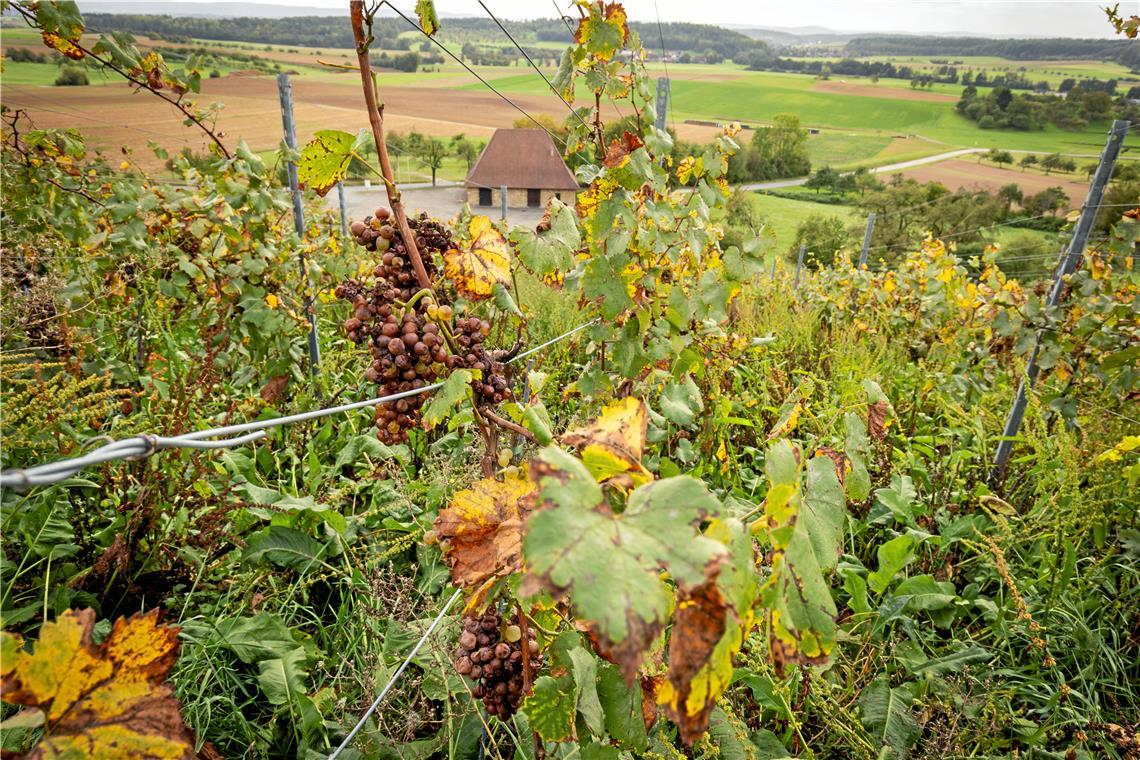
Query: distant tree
[
  {"x": 1010, "y": 194},
  {"x": 465, "y": 149},
  {"x": 822, "y": 236},
  {"x": 1118, "y": 198},
  {"x": 823, "y": 178},
  {"x": 1052, "y": 161},
  {"x": 432, "y": 151},
  {"x": 71, "y": 76},
  {"x": 783, "y": 146},
  {"x": 874, "y": 79},
  {"x": 1001, "y": 157},
  {"x": 825, "y": 72},
  {"x": 470, "y": 53},
  {"x": 1027, "y": 161},
  {"x": 1048, "y": 201},
  {"x": 865, "y": 181}
]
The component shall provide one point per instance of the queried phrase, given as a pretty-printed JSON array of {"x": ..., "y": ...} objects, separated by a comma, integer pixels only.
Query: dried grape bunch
[
  {"x": 491, "y": 387},
  {"x": 491, "y": 654}
]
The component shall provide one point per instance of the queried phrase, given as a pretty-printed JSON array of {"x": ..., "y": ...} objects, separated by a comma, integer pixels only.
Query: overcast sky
[
  {"x": 1062, "y": 18},
  {"x": 995, "y": 18}
]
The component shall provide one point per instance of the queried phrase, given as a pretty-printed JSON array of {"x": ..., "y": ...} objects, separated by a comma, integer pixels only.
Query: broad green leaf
[
  {"x": 253, "y": 639},
  {"x": 563, "y": 81},
  {"x": 886, "y": 716},
  {"x": 603, "y": 30},
  {"x": 622, "y": 600},
  {"x": 503, "y": 299},
  {"x": 893, "y": 556},
  {"x": 551, "y": 250},
  {"x": 551, "y": 708},
  {"x": 727, "y": 737},
  {"x": 622, "y": 707},
  {"x": 444, "y": 401},
  {"x": 857, "y": 447},
  {"x": 898, "y": 499},
  {"x": 326, "y": 157},
  {"x": 953, "y": 662},
  {"x": 585, "y": 671},
  {"x": 804, "y": 530},
  {"x": 681, "y": 402},
  {"x": 429, "y": 21},
  {"x": 283, "y": 679},
  {"x": 284, "y": 547},
  {"x": 602, "y": 281},
  {"x": 537, "y": 420}
]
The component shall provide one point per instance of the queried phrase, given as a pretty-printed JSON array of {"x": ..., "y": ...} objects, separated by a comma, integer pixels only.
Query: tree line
[
  {"x": 1003, "y": 109},
  {"x": 1053, "y": 48}
]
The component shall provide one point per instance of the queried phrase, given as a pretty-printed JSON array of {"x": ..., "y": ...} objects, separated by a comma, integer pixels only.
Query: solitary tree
[
  {"x": 465, "y": 149},
  {"x": 432, "y": 151},
  {"x": 1052, "y": 161},
  {"x": 1010, "y": 194},
  {"x": 1027, "y": 161}
]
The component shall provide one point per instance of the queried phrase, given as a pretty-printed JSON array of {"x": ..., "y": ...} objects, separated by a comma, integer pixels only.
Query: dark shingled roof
[{"x": 521, "y": 158}]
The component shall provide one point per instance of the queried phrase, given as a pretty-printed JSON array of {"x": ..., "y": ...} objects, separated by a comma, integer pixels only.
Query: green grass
[
  {"x": 784, "y": 215},
  {"x": 840, "y": 150}
]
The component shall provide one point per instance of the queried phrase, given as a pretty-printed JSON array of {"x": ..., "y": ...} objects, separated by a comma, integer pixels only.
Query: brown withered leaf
[
  {"x": 618, "y": 151},
  {"x": 702, "y": 619},
  {"x": 274, "y": 390},
  {"x": 612, "y": 445},
  {"x": 877, "y": 415},
  {"x": 110, "y": 700},
  {"x": 839, "y": 459},
  {"x": 481, "y": 530}
]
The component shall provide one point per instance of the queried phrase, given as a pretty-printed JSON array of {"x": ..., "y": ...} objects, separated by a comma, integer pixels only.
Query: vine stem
[
  {"x": 376, "y": 120},
  {"x": 528, "y": 681}
]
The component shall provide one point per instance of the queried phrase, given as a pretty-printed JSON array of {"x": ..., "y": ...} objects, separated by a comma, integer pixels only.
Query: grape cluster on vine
[
  {"x": 412, "y": 339},
  {"x": 491, "y": 654}
]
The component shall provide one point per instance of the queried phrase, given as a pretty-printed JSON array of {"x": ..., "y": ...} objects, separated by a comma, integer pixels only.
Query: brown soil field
[
  {"x": 957, "y": 173},
  {"x": 113, "y": 115},
  {"x": 874, "y": 91}
]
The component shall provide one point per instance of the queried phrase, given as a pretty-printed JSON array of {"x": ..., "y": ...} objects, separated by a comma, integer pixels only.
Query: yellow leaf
[
  {"x": 104, "y": 701},
  {"x": 485, "y": 260},
  {"x": 271, "y": 301},
  {"x": 481, "y": 530},
  {"x": 611, "y": 446}
]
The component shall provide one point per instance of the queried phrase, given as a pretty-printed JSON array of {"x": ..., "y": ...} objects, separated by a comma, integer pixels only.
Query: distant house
[{"x": 528, "y": 164}]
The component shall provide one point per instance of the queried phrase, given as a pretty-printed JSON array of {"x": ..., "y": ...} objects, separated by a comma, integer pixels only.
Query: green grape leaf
[
  {"x": 549, "y": 249},
  {"x": 551, "y": 708},
  {"x": 444, "y": 401},
  {"x": 563, "y": 81},
  {"x": 893, "y": 556},
  {"x": 503, "y": 299},
  {"x": 602, "y": 281},
  {"x": 681, "y": 402},
  {"x": 623, "y": 601},
  {"x": 804, "y": 526},
  {"x": 326, "y": 157},
  {"x": 858, "y": 450},
  {"x": 429, "y": 20},
  {"x": 622, "y": 707}
]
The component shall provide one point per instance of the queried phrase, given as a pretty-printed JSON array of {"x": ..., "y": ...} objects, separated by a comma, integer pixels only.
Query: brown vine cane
[{"x": 376, "y": 120}]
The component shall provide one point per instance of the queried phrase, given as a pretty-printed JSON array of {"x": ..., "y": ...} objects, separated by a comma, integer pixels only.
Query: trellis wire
[
  {"x": 534, "y": 66},
  {"x": 142, "y": 446},
  {"x": 475, "y": 74},
  {"x": 395, "y": 676}
]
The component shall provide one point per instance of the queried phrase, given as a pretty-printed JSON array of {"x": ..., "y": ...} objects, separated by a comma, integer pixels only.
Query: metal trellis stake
[
  {"x": 662, "y": 101},
  {"x": 799, "y": 265},
  {"x": 285, "y": 90},
  {"x": 867, "y": 239},
  {"x": 1069, "y": 258},
  {"x": 343, "y": 210},
  {"x": 503, "y": 199}
]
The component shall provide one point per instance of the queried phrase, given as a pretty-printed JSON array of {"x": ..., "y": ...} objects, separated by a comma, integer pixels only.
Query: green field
[{"x": 784, "y": 215}]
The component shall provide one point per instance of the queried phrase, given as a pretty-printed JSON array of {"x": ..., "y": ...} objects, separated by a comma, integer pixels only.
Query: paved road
[
  {"x": 442, "y": 201},
  {"x": 445, "y": 199},
  {"x": 887, "y": 169}
]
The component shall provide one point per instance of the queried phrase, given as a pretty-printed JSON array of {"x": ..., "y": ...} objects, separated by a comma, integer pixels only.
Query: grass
[
  {"x": 841, "y": 150},
  {"x": 784, "y": 215}
]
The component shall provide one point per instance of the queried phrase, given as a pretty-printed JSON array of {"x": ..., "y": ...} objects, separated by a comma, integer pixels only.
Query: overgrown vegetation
[{"x": 739, "y": 518}]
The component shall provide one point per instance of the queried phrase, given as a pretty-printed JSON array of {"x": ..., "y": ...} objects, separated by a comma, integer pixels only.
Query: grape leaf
[
  {"x": 481, "y": 530},
  {"x": 709, "y": 629},
  {"x": 609, "y": 565},
  {"x": 804, "y": 526},
  {"x": 563, "y": 82},
  {"x": 603, "y": 31},
  {"x": 611, "y": 446},
  {"x": 680, "y": 402},
  {"x": 326, "y": 157},
  {"x": 444, "y": 401},
  {"x": 485, "y": 260},
  {"x": 551, "y": 714},
  {"x": 549, "y": 249},
  {"x": 617, "y": 154},
  {"x": 880, "y": 413},
  {"x": 110, "y": 700},
  {"x": 429, "y": 20}
]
